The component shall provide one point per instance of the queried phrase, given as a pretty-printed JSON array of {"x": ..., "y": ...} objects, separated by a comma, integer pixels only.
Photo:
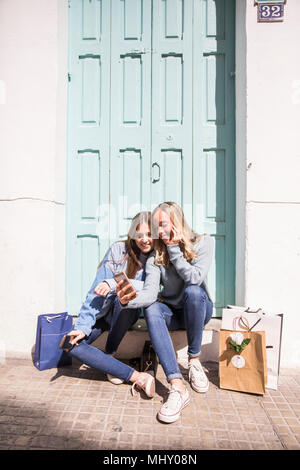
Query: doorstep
[{"x": 133, "y": 342}]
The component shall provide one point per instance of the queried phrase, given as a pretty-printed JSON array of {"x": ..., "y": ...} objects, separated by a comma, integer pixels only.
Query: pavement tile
[
  {"x": 242, "y": 445},
  {"x": 208, "y": 444},
  {"x": 77, "y": 408},
  {"x": 130, "y": 427}
]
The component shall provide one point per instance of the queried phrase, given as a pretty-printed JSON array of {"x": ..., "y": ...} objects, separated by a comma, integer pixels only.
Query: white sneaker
[
  {"x": 145, "y": 382},
  {"x": 197, "y": 377},
  {"x": 177, "y": 400},
  {"x": 114, "y": 380}
]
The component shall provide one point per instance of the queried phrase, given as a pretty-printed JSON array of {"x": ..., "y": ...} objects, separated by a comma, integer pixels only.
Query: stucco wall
[
  {"x": 32, "y": 177},
  {"x": 272, "y": 268}
]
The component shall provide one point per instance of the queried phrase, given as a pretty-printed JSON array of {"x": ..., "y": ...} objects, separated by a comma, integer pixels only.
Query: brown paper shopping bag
[
  {"x": 245, "y": 371},
  {"x": 241, "y": 318}
]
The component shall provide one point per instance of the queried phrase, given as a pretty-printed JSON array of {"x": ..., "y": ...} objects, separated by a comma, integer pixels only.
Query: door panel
[
  {"x": 172, "y": 101},
  {"x": 214, "y": 138},
  {"x": 151, "y": 119},
  {"x": 88, "y": 143},
  {"x": 130, "y": 123}
]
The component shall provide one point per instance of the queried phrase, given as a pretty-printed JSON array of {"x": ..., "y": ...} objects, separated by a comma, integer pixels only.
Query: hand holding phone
[
  {"x": 123, "y": 277},
  {"x": 124, "y": 290},
  {"x": 65, "y": 343},
  {"x": 71, "y": 339}
]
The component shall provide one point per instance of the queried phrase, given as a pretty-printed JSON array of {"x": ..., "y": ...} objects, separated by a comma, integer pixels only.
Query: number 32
[{"x": 267, "y": 11}]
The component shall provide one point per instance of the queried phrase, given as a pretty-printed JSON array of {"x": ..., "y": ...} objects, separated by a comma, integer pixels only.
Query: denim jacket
[{"x": 94, "y": 306}]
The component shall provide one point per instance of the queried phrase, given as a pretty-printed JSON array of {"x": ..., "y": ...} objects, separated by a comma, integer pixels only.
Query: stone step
[{"x": 132, "y": 344}]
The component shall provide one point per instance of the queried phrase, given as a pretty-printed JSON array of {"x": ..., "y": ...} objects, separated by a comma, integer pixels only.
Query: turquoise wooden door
[{"x": 151, "y": 118}]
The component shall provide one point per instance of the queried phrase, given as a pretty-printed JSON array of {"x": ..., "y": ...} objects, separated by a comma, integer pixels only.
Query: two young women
[{"x": 179, "y": 263}]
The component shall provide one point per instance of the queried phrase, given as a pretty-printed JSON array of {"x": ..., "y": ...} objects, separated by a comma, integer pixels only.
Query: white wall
[
  {"x": 33, "y": 74},
  {"x": 272, "y": 140}
]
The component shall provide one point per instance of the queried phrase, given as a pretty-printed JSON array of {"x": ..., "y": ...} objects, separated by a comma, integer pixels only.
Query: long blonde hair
[{"x": 176, "y": 215}]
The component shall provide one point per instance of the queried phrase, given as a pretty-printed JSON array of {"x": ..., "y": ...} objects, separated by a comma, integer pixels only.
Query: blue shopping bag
[{"x": 50, "y": 330}]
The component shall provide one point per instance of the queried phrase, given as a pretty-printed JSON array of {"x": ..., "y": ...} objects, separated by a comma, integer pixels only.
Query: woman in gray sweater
[{"x": 180, "y": 263}]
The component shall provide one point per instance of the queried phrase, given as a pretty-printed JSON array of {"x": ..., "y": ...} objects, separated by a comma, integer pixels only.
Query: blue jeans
[
  {"x": 117, "y": 322},
  {"x": 196, "y": 312}
]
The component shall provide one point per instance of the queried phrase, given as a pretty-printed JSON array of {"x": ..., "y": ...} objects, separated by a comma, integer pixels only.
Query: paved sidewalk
[{"x": 77, "y": 408}]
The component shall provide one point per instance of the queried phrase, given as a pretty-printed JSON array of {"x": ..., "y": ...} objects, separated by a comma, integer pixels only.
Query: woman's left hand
[{"x": 102, "y": 289}]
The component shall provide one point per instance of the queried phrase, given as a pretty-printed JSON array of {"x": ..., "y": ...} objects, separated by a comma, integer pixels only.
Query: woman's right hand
[
  {"x": 175, "y": 237},
  {"x": 102, "y": 289},
  {"x": 76, "y": 335},
  {"x": 126, "y": 293}
]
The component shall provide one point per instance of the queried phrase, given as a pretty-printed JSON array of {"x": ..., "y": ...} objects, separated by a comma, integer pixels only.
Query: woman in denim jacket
[{"x": 102, "y": 309}]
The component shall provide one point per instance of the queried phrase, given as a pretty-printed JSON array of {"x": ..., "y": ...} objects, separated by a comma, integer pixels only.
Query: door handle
[
  {"x": 139, "y": 51},
  {"x": 155, "y": 180}
]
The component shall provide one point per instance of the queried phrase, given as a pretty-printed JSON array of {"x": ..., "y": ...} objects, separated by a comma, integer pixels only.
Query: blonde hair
[{"x": 175, "y": 213}]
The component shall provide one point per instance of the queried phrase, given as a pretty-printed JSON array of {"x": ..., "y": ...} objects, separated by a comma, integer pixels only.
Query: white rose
[{"x": 238, "y": 338}]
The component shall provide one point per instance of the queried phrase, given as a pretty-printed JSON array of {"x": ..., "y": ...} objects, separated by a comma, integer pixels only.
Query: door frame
[{"x": 240, "y": 149}]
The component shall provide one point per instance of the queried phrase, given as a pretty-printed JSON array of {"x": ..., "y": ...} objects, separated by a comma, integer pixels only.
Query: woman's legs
[
  {"x": 96, "y": 358},
  {"x": 197, "y": 309},
  {"x": 120, "y": 321},
  {"x": 159, "y": 317},
  {"x": 197, "y": 312}
]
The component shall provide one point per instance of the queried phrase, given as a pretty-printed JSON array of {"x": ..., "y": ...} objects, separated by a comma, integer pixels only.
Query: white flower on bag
[
  {"x": 238, "y": 342},
  {"x": 237, "y": 338}
]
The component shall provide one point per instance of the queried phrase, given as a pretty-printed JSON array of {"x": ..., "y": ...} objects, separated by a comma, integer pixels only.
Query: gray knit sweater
[{"x": 178, "y": 275}]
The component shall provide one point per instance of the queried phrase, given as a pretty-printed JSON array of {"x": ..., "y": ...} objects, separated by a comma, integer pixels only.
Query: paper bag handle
[
  {"x": 248, "y": 310},
  {"x": 243, "y": 323}
]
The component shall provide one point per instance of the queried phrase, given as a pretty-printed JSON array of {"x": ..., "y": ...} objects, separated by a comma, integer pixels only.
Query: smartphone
[
  {"x": 65, "y": 343},
  {"x": 123, "y": 277}
]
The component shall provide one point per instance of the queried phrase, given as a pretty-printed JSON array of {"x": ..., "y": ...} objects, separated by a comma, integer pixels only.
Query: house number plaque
[{"x": 270, "y": 11}]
